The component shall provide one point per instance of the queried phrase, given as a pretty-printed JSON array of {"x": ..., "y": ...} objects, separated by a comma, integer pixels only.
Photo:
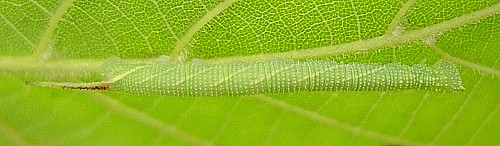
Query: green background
[{"x": 38, "y": 43}]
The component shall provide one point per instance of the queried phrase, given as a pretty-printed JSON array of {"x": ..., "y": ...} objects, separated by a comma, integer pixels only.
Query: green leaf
[{"x": 68, "y": 41}]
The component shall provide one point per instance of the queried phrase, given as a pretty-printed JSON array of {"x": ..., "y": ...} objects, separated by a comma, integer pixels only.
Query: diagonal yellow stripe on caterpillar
[{"x": 274, "y": 76}]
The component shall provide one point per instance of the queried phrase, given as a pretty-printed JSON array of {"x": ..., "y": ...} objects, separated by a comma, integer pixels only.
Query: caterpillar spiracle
[{"x": 274, "y": 76}]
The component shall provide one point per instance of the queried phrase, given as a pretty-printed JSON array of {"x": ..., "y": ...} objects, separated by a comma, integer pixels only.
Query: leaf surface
[{"x": 68, "y": 41}]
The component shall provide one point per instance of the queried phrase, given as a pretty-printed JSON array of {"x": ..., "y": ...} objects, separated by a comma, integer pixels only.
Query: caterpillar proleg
[{"x": 276, "y": 76}]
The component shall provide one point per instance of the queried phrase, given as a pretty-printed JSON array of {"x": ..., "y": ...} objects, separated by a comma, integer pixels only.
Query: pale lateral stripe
[
  {"x": 308, "y": 76},
  {"x": 276, "y": 72},
  {"x": 317, "y": 73},
  {"x": 368, "y": 73},
  {"x": 230, "y": 76},
  {"x": 121, "y": 76},
  {"x": 191, "y": 76},
  {"x": 158, "y": 74}
]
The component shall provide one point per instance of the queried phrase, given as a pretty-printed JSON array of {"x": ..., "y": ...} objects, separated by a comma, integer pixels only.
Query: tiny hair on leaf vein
[{"x": 273, "y": 76}]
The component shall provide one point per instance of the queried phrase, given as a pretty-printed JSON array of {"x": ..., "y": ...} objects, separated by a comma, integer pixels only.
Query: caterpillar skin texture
[{"x": 277, "y": 76}]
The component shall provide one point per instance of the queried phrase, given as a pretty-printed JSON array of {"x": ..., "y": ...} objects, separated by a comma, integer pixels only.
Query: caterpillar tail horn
[{"x": 76, "y": 86}]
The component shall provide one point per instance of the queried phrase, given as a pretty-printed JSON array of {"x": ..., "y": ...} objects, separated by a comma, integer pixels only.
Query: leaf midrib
[
  {"x": 93, "y": 65},
  {"x": 33, "y": 63}
]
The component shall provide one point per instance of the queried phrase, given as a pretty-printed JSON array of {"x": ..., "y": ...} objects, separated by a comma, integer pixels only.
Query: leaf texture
[{"x": 68, "y": 41}]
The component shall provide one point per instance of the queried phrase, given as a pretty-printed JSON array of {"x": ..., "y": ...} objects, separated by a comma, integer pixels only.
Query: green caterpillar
[{"x": 275, "y": 76}]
